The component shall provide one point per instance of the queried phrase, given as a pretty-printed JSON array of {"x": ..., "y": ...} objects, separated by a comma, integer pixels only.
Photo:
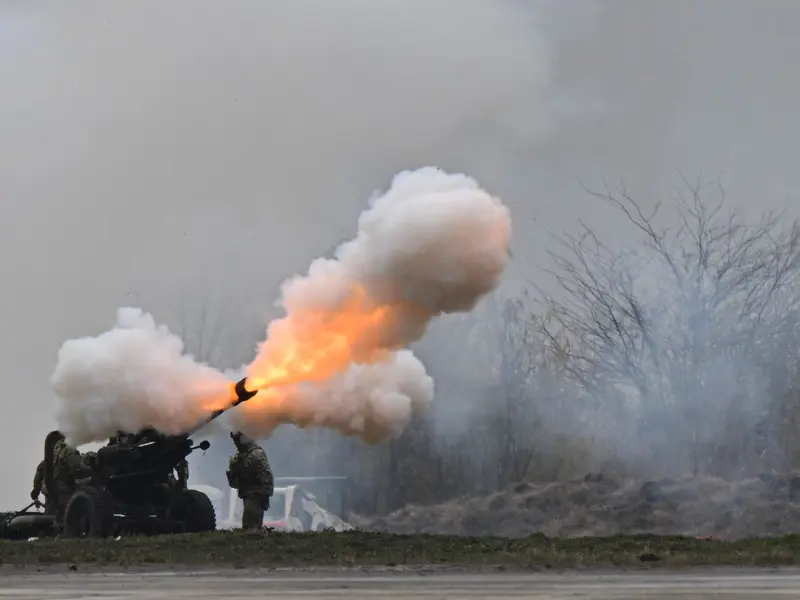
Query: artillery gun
[{"x": 129, "y": 488}]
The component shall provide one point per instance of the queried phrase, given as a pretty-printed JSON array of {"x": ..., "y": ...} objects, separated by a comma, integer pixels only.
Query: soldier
[
  {"x": 182, "y": 470},
  {"x": 88, "y": 461},
  {"x": 40, "y": 487},
  {"x": 67, "y": 467},
  {"x": 249, "y": 473}
]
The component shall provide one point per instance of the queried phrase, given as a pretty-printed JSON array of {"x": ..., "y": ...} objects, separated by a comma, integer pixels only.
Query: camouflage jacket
[
  {"x": 250, "y": 473},
  {"x": 67, "y": 464},
  {"x": 39, "y": 484}
]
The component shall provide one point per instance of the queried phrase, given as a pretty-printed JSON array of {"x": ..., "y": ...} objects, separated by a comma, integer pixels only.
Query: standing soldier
[
  {"x": 40, "y": 487},
  {"x": 249, "y": 473},
  {"x": 182, "y": 470},
  {"x": 67, "y": 466}
]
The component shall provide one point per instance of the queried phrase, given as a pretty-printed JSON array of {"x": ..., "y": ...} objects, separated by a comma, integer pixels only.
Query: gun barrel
[{"x": 242, "y": 395}]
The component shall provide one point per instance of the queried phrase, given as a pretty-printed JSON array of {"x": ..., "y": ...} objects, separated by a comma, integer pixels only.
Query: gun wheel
[
  {"x": 195, "y": 512},
  {"x": 87, "y": 514}
]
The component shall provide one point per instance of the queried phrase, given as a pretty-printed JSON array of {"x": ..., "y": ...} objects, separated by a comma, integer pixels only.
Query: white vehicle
[{"x": 292, "y": 508}]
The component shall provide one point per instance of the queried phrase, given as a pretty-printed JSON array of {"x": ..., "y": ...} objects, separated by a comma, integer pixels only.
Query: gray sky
[{"x": 154, "y": 148}]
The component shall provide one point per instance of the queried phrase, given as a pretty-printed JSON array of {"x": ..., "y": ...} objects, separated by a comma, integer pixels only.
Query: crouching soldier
[{"x": 249, "y": 473}]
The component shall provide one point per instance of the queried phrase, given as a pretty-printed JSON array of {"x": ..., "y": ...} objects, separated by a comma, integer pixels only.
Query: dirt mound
[{"x": 604, "y": 505}]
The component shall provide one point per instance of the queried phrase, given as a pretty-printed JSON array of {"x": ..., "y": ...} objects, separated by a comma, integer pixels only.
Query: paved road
[{"x": 239, "y": 585}]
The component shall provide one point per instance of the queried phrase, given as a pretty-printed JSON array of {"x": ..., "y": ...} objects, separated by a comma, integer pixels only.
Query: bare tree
[
  {"x": 216, "y": 322},
  {"x": 504, "y": 341},
  {"x": 681, "y": 321}
]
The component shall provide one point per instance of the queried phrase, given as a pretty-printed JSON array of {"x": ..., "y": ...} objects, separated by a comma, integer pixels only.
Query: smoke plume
[
  {"x": 434, "y": 243},
  {"x": 131, "y": 377},
  {"x": 372, "y": 401}
]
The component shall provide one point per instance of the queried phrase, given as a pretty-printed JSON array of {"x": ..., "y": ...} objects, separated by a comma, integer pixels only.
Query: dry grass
[
  {"x": 604, "y": 505},
  {"x": 239, "y": 549}
]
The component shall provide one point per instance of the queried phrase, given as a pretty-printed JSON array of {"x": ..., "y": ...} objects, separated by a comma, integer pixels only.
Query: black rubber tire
[
  {"x": 196, "y": 512},
  {"x": 87, "y": 514},
  {"x": 5, "y": 520}
]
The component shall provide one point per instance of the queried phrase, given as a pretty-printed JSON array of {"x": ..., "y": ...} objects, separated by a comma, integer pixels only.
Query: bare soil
[{"x": 602, "y": 505}]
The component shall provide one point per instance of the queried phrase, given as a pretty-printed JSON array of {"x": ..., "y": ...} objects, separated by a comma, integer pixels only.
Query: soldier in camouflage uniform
[
  {"x": 67, "y": 467},
  {"x": 249, "y": 473},
  {"x": 88, "y": 461},
  {"x": 40, "y": 487}
]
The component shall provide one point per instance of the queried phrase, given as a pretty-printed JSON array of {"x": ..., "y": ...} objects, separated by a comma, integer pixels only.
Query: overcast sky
[{"x": 152, "y": 150}]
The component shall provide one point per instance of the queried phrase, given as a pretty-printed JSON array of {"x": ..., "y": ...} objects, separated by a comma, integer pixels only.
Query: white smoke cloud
[
  {"x": 372, "y": 401},
  {"x": 131, "y": 377},
  {"x": 434, "y": 243}
]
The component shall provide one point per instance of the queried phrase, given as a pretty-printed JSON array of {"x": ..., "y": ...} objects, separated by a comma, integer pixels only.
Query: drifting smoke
[
  {"x": 131, "y": 377},
  {"x": 435, "y": 243},
  {"x": 372, "y": 401}
]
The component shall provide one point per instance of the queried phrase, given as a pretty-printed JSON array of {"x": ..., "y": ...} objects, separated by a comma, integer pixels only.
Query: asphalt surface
[{"x": 310, "y": 585}]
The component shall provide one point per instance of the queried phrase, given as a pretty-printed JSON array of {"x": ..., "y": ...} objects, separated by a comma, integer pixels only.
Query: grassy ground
[{"x": 239, "y": 549}]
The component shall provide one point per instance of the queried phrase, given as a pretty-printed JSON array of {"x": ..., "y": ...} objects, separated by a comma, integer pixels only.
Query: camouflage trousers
[
  {"x": 49, "y": 505},
  {"x": 59, "y": 503},
  {"x": 253, "y": 513}
]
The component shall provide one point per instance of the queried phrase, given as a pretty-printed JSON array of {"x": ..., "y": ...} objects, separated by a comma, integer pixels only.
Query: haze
[{"x": 185, "y": 155}]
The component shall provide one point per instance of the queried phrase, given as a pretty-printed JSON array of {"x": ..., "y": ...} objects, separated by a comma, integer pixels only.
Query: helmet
[
  {"x": 239, "y": 438},
  {"x": 52, "y": 438},
  {"x": 90, "y": 458}
]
